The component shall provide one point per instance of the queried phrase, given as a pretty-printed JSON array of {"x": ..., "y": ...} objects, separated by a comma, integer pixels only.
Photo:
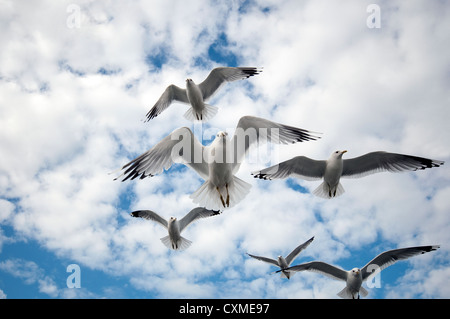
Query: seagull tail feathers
[
  {"x": 207, "y": 113},
  {"x": 347, "y": 294},
  {"x": 324, "y": 191},
  {"x": 180, "y": 244},
  {"x": 363, "y": 292},
  {"x": 209, "y": 197},
  {"x": 287, "y": 274}
]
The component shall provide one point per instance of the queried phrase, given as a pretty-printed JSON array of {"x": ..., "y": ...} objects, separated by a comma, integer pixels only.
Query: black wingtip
[
  {"x": 301, "y": 135},
  {"x": 431, "y": 248},
  {"x": 251, "y": 71},
  {"x": 435, "y": 163},
  {"x": 260, "y": 175},
  {"x": 151, "y": 115},
  {"x": 431, "y": 164},
  {"x": 424, "y": 163},
  {"x": 133, "y": 175}
]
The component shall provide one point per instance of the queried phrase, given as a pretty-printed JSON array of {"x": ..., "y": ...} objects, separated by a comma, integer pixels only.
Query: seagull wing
[
  {"x": 265, "y": 259},
  {"x": 172, "y": 93},
  {"x": 390, "y": 257},
  {"x": 179, "y": 146},
  {"x": 383, "y": 161},
  {"x": 219, "y": 76},
  {"x": 323, "y": 268},
  {"x": 300, "y": 166},
  {"x": 196, "y": 213},
  {"x": 150, "y": 215},
  {"x": 252, "y": 130},
  {"x": 297, "y": 251}
]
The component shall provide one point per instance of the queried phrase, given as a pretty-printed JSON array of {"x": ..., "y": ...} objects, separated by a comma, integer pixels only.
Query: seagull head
[
  {"x": 338, "y": 154},
  {"x": 222, "y": 134},
  {"x": 172, "y": 220},
  {"x": 355, "y": 272}
]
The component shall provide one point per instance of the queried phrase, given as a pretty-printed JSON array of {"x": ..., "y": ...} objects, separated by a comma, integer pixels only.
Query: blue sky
[{"x": 78, "y": 77}]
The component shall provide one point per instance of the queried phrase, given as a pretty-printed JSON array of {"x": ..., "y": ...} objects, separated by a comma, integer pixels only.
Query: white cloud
[
  {"x": 65, "y": 127},
  {"x": 6, "y": 209},
  {"x": 30, "y": 273}
]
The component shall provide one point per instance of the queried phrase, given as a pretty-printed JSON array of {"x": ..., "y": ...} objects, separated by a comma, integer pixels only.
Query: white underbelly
[{"x": 220, "y": 174}]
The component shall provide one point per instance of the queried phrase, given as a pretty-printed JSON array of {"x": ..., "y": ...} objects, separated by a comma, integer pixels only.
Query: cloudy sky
[{"x": 78, "y": 77}]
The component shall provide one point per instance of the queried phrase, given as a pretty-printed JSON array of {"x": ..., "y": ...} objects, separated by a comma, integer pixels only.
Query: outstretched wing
[
  {"x": 252, "y": 130},
  {"x": 299, "y": 166},
  {"x": 323, "y": 268},
  {"x": 150, "y": 215},
  {"x": 265, "y": 259},
  {"x": 172, "y": 93},
  {"x": 383, "y": 161},
  {"x": 219, "y": 76},
  {"x": 390, "y": 257},
  {"x": 297, "y": 251},
  {"x": 179, "y": 146},
  {"x": 196, "y": 213}
]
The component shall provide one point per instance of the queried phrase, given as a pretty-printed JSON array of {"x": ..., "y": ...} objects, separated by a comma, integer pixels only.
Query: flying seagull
[
  {"x": 355, "y": 277},
  {"x": 282, "y": 262},
  {"x": 196, "y": 95},
  {"x": 335, "y": 167},
  {"x": 216, "y": 163},
  {"x": 174, "y": 226}
]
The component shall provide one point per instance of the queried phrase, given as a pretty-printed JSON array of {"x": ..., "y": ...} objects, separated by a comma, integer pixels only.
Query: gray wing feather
[
  {"x": 252, "y": 130},
  {"x": 323, "y": 268},
  {"x": 171, "y": 93},
  {"x": 300, "y": 166},
  {"x": 150, "y": 215},
  {"x": 265, "y": 259},
  {"x": 297, "y": 251},
  {"x": 194, "y": 214},
  {"x": 383, "y": 161},
  {"x": 179, "y": 146},
  {"x": 390, "y": 257},
  {"x": 219, "y": 76}
]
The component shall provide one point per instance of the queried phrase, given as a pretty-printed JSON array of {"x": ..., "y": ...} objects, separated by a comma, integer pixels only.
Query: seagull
[
  {"x": 174, "y": 226},
  {"x": 355, "y": 277},
  {"x": 216, "y": 163},
  {"x": 196, "y": 95},
  {"x": 335, "y": 167},
  {"x": 282, "y": 262}
]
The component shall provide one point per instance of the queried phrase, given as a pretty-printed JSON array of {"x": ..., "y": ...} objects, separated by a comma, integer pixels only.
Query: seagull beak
[{"x": 344, "y": 151}]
